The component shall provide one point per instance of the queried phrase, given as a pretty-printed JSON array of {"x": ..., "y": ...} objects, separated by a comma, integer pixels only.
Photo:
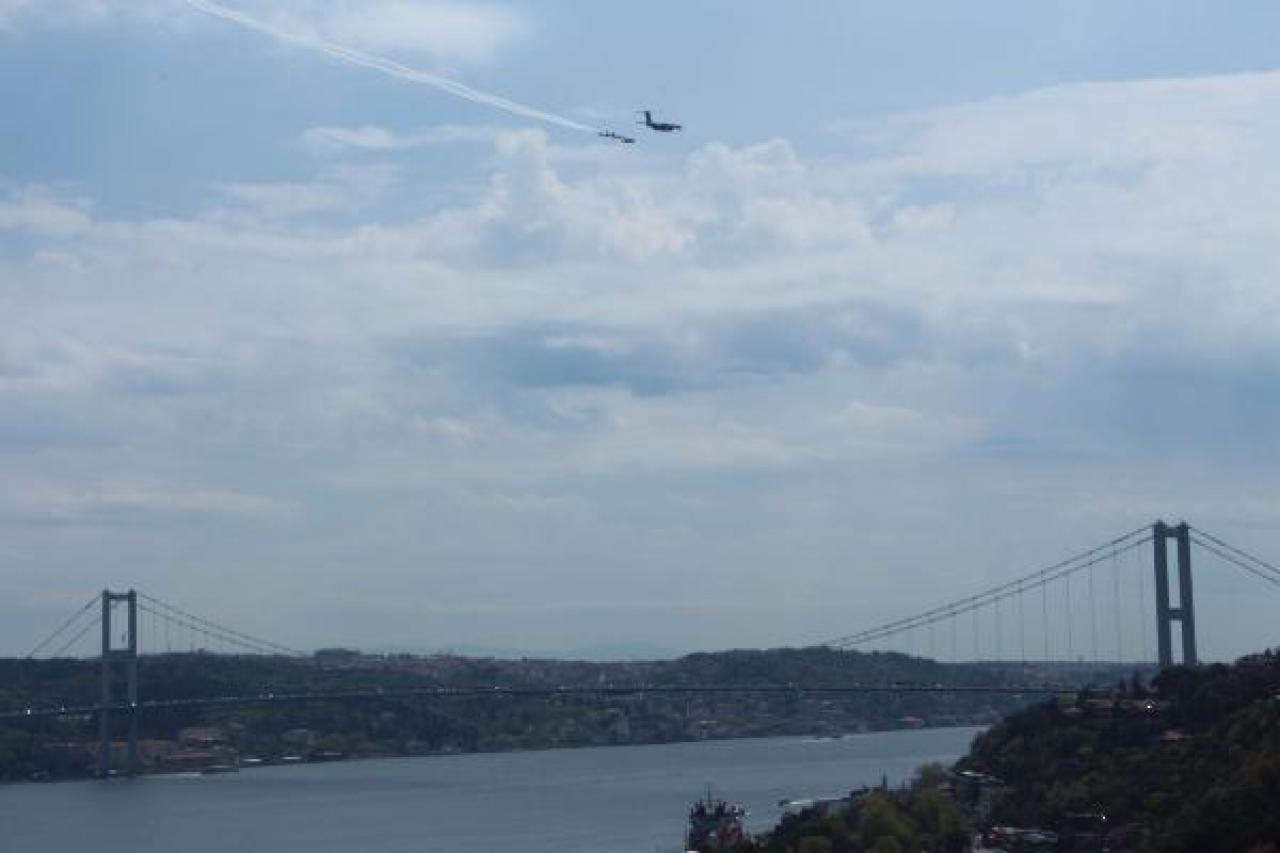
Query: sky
[{"x": 926, "y": 296}]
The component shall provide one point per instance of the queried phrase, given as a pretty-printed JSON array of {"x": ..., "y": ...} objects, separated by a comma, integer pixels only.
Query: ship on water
[{"x": 715, "y": 825}]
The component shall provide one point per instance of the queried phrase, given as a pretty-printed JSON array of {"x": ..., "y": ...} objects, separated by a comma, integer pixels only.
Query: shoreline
[{"x": 806, "y": 738}]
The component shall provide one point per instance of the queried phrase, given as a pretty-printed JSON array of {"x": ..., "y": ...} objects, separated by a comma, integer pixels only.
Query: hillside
[
  {"x": 1193, "y": 763},
  {"x": 59, "y": 748},
  {"x": 1190, "y": 762}
]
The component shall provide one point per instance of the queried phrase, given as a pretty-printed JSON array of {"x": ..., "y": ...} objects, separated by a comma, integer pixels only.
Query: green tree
[
  {"x": 814, "y": 844},
  {"x": 880, "y": 818},
  {"x": 887, "y": 844}
]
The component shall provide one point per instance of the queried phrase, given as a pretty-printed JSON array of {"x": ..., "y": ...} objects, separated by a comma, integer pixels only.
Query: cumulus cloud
[
  {"x": 530, "y": 213},
  {"x": 753, "y": 260}
]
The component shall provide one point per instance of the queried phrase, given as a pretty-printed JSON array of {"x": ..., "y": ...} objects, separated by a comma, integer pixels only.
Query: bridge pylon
[
  {"x": 117, "y": 658},
  {"x": 1166, "y": 613}
]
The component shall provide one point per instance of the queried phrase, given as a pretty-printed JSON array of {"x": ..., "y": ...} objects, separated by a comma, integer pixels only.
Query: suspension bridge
[{"x": 1121, "y": 602}]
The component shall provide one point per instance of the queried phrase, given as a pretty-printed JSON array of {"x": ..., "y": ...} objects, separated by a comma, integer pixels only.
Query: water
[{"x": 614, "y": 800}]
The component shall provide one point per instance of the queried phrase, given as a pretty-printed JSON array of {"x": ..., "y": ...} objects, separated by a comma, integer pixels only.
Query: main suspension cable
[
  {"x": 199, "y": 623},
  {"x": 91, "y": 624},
  {"x": 1236, "y": 561},
  {"x": 208, "y": 632},
  {"x": 64, "y": 626},
  {"x": 1261, "y": 563},
  {"x": 1057, "y": 571}
]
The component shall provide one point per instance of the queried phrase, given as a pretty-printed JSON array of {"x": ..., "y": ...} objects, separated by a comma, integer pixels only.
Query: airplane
[
  {"x": 659, "y": 126},
  {"x": 609, "y": 134}
]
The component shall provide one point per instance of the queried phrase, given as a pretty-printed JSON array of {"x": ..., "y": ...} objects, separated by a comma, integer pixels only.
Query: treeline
[
  {"x": 1187, "y": 762},
  {"x": 1192, "y": 763},
  {"x": 56, "y": 747},
  {"x": 922, "y": 816}
]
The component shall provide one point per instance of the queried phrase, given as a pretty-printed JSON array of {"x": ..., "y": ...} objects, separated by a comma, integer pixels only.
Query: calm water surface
[{"x": 616, "y": 800}]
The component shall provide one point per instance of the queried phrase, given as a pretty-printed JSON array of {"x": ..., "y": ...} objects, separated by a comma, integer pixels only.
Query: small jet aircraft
[
  {"x": 625, "y": 140},
  {"x": 659, "y": 126}
]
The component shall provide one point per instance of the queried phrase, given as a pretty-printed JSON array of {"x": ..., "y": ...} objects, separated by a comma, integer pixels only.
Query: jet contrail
[{"x": 387, "y": 66}]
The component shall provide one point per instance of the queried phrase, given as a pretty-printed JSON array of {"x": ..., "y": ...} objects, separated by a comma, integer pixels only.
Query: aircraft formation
[
  {"x": 655, "y": 126},
  {"x": 395, "y": 69}
]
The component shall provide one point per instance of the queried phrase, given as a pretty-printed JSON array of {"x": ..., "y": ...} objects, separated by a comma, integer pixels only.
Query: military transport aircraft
[{"x": 659, "y": 126}]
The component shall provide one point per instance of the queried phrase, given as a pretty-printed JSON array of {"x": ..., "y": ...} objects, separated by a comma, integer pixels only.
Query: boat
[
  {"x": 211, "y": 769},
  {"x": 715, "y": 825}
]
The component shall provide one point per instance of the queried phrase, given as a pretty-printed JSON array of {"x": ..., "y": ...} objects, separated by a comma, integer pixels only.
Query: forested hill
[
  {"x": 423, "y": 726},
  {"x": 1191, "y": 764},
  {"x": 37, "y": 683}
]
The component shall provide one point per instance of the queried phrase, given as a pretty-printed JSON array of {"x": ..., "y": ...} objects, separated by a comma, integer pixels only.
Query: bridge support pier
[
  {"x": 115, "y": 658},
  {"x": 1166, "y": 614}
]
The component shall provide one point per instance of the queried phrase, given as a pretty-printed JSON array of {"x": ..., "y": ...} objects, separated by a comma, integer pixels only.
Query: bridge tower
[
  {"x": 1166, "y": 613},
  {"x": 117, "y": 659}
]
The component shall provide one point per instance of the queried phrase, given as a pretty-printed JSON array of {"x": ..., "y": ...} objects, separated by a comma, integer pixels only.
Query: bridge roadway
[{"x": 525, "y": 692}]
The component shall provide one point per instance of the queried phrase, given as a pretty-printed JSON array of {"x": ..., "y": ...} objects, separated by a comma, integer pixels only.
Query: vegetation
[
  {"x": 59, "y": 748},
  {"x": 919, "y": 817},
  {"x": 1189, "y": 762},
  {"x": 1193, "y": 763}
]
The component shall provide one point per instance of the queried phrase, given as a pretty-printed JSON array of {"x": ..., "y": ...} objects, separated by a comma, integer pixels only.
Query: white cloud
[
  {"x": 287, "y": 201},
  {"x": 18, "y": 14},
  {"x": 1022, "y": 268},
  {"x": 42, "y": 212},
  {"x": 150, "y": 500},
  {"x": 1031, "y": 304},
  {"x": 771, "y": 165},
  {"x": 98, "y": 502},
  {"x": 327, "y": 140},
  {"x": 447, "y": 31},
  {"x": 530, "y": 208},
  {"x": 885, "y": 428},
  {"x": 1093, "y": 130},
  {"x": 442, "y": 30},
  {"x": 79, "y": 12},
  {"x": 757, "y": 228}
]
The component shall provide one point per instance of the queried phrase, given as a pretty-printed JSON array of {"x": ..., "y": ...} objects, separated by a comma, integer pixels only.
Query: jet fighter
[
  {"x": 658, "y": 126},
  {"x": 609, "y": 134}
]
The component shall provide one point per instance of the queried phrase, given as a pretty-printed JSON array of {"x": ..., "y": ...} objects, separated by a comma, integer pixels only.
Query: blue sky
[{"x": 921, "y": 299}]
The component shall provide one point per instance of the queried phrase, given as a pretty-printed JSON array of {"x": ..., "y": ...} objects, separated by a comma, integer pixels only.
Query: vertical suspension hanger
[
  {"x": 1093, "y": 615},
  {"x": 1115, "y": 604},
  {"x": 1022, "y": 625},
  {"x": 1044, "y": 620},
  {"x": 955, "y": 650},
  {"x": 1071, "y": 652},
  {"x": 999, "y": 648},
  {"x": 1144, "y": 632}
]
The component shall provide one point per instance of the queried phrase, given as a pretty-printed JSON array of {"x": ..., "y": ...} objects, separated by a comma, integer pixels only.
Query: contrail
[{"x": 388, "y": 66}]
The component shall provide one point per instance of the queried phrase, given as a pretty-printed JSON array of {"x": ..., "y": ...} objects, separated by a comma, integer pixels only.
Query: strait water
[{"x": 612, "y": 800}]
